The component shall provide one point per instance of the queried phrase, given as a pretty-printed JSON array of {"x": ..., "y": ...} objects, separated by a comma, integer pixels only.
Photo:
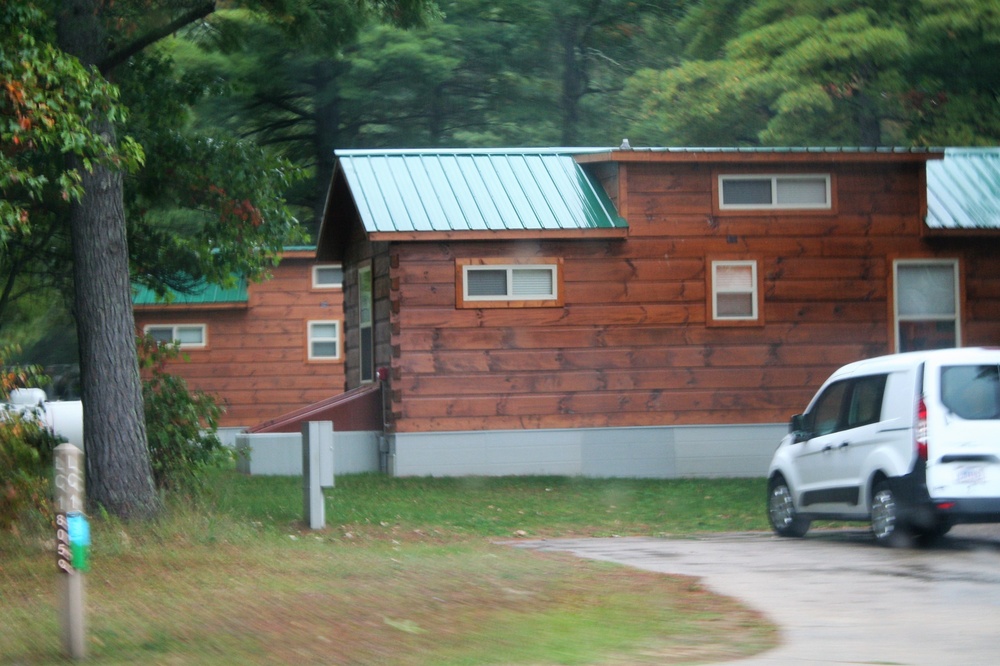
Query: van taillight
[{"x": 921, "y": 436}]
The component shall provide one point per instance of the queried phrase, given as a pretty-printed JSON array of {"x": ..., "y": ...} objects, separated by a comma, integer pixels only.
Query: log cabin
[
  {"x": 644, "y": 312},
  {"x": 261, "y": 349}
]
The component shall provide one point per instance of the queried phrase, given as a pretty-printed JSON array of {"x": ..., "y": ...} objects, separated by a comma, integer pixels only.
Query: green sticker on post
[{"x": 78, "y": 528}]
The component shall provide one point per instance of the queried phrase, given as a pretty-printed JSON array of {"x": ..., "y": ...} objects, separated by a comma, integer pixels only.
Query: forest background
[{"x": 221, "y": 117}]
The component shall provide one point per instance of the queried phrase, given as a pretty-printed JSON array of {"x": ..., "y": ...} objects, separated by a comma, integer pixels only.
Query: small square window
[
  {"x": 186, "y": 335},
  {"x": 324, "y": 340},
  {"x": 328, "y": 276}
]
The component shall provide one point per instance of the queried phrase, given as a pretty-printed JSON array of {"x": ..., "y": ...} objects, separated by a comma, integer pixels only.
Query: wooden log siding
[
  {"x": 631, "y": 346},
  {"x": 256, "y": 360}
]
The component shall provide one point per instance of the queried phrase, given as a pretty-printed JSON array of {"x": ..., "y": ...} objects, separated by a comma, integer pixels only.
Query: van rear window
[{"x": 971, "y": 391}]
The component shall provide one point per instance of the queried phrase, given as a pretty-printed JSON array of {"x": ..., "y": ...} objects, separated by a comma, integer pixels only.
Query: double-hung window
[
  {"x": 324, "y": 340},
  {"x": 188, "y": 336},
  {"x": 496, "y": 283},
  {"x": 926, "y": 301},
  {"x": 734, "y": 292},
  {"x": 774, "y": 192}
]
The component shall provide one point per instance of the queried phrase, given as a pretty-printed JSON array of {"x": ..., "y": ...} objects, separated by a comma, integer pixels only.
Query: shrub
[
  {"x": 25, "y": 450},
  {"x": 181, "y": 424}
]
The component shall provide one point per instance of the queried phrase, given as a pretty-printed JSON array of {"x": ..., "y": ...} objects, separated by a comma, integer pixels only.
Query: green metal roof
[
  {"x": 963, "y": 189},
  {"x": 203, "y": 294},
  {"x": 475, "y": 190}
]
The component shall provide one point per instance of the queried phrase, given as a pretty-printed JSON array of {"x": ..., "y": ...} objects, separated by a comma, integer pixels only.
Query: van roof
[{"x": 909, "y": 359}]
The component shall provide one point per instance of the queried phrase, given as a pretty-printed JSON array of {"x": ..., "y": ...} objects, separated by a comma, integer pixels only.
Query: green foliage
[
  {"x": 826, "y": 72},
  {"x": 180, "y": 424},
  {"x": 25, "y": 450},
  {"x": 48, "y": 102}
]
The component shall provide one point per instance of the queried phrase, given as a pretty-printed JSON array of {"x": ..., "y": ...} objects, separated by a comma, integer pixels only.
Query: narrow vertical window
[
  {"x": 366, "y": 325},
  {"x": 926, "y": 304},
  {"x": 734, "y": 292}
]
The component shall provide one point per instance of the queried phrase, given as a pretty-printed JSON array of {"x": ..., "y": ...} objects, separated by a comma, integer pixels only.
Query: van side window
[
  {"x": 866, "y": 401},
  {"x": 824, "y": 417},
  {"x": 971, "y": 391}
]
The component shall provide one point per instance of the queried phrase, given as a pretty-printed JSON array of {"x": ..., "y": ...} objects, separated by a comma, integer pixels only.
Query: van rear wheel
[
  {"x": 781, "y": 512},
  {"x": 887, "y": 526}
]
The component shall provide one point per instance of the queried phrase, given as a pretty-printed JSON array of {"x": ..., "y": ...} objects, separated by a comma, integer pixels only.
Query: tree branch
[{"x": 121, "y": 55}]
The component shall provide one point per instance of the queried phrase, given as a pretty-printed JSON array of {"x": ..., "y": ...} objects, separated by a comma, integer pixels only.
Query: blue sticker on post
[{"x": 78, "y": 528}]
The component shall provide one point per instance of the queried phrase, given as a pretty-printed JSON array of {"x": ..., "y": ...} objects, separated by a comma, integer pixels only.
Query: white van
[{"x": 909, "y": 442}]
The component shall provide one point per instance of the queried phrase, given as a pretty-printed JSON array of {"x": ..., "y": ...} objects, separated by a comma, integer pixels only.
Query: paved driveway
[{"x": 838, "y": 597}]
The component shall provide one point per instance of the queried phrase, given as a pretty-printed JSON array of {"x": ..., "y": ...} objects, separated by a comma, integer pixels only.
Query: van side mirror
[{"x": 797, "y": 428}]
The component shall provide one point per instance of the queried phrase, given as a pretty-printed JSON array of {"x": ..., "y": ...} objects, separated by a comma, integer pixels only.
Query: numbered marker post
[{"x": 72, "y": 547}]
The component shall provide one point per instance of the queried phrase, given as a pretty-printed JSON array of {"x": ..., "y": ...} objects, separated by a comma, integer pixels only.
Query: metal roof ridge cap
[
  {"x": 583, "y": 150},
  {"x": 358, "y": 152}
]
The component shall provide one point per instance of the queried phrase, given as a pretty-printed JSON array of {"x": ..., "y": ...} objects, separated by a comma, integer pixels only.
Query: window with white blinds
[
  {"x": 734, "y": 290},
  {"x": 509, "y": 283},
  {"x": 808, "y": 191}
]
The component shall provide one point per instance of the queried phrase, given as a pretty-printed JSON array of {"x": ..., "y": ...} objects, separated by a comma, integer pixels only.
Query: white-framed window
[
  {"x": 734, "y": 291},
  {"x": 508, "y": 283},
  {"x": 188, "y": 335},
  {"x": 776, "y": 191},
  {"x": 926, "y": 298},
  {"x": 324, "y": 340},
  {"x": 327, "y": 276}
]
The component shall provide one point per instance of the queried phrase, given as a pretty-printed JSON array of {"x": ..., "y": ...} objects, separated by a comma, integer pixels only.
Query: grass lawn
[{"x": 407, "y": 572}]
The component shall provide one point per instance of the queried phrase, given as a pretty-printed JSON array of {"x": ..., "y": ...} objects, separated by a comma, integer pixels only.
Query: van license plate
[{"x": 970, "y": 475}]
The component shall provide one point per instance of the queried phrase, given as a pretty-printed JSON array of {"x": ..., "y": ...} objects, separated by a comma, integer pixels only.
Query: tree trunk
[
  {"x": 119, "y": 474},
  {"x": 572, "y": 85}
]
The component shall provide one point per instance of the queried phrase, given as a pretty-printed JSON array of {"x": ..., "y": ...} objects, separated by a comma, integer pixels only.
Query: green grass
[
  {"x": 507, "y": 506},
  {"x": 407, "y": 572}
]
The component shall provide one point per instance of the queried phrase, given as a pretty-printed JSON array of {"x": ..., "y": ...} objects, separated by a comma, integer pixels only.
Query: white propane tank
[{"x": 64, "y": 418}]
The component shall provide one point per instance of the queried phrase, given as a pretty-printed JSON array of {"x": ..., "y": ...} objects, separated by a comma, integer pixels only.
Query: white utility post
[
  {"x": 72, "y": 548},
  {"x": 317, "y": 470}
]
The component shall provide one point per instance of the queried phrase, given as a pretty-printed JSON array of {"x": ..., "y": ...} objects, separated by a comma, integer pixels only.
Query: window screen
[
  {"x": 745, "y": 191},
  {"x": 486, "y": 282}
]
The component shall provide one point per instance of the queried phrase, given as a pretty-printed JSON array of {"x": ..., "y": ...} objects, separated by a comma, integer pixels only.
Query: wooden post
[{"x": 72, "y": 548}]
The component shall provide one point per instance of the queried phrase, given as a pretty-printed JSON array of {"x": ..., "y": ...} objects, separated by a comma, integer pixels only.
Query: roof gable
[{"x": 407, "y": 192}]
